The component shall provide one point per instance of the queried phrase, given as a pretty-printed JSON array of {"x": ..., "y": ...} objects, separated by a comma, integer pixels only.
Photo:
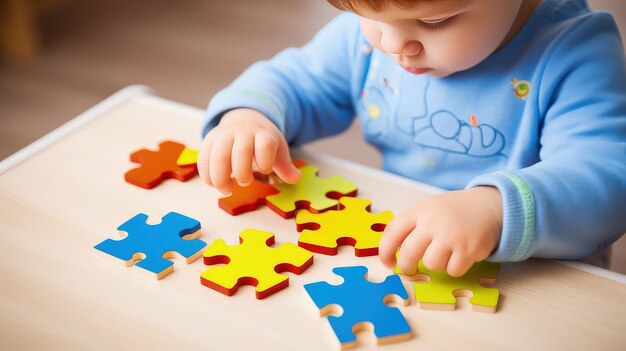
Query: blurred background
[{"x": 60, "y": 57}]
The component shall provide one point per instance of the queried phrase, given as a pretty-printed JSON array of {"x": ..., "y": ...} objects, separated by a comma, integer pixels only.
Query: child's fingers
[
  {"x": 265, "y": 147},
  {"x": 459, "y": 263},
  {"x": 437, "y": 256},
  {"x": 203, "y": 160},
  {"x": 412, "y": 251},
  {"x": 241, "y": 159},
  {"x": 395, "y": 233},
  {"x": 283, "y": 166},
  {"x": 221, "y": 169}
]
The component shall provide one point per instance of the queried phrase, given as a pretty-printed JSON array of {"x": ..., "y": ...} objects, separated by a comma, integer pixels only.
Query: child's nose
[{"x": 396, "y": 44}]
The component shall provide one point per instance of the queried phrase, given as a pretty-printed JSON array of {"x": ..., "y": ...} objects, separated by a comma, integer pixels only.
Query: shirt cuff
[
  {"x": 229, "y": 99},
  {"x": 518, "y": 212}
]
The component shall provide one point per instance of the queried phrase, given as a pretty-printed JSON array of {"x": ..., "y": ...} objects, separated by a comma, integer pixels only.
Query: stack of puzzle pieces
[{"x": 329, "y": 215}]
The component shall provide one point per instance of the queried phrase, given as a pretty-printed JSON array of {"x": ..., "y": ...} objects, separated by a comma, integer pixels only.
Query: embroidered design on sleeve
[{"x": 521, "y": 88}]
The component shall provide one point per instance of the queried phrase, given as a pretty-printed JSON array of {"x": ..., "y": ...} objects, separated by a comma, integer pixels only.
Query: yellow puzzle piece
[
  {"x": 310, "y": 192},
  {"x": 440, "y": 291},
  {"x": 187, "y": 157},
  {"x": 253, "y": 262},
  {"x": 353, "y": 225}
]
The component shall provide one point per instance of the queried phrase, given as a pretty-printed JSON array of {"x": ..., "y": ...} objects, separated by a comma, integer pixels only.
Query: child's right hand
[{"x": 244, "y": 140}]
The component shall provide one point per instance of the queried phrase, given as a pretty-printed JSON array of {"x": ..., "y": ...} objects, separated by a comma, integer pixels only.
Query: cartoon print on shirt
[
  {"x": 385, "y": 98},
  {"x": 375, "y": 105},
  {"x": 413, "y": 99},
  {"x": 521, "y": 88},
  {"x": 445, "y": 131}
]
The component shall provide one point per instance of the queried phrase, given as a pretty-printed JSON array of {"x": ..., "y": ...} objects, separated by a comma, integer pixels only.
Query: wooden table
[{"x": 65, "y": 193}]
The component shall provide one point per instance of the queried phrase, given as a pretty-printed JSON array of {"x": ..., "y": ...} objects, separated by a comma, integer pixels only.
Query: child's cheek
[{"x": 371, "y": 32}]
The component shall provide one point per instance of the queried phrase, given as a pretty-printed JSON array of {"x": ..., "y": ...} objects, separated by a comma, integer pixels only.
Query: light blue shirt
[{"x": 543, "y": 119}]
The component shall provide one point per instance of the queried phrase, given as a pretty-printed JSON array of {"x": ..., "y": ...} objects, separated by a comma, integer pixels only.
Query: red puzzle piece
[
  {"x": 245, "y": 199},
  {"x": 156, "y": 166}
]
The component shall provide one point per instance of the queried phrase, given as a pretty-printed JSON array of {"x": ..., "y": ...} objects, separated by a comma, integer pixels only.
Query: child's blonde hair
[{"x": 372, "y": 5}]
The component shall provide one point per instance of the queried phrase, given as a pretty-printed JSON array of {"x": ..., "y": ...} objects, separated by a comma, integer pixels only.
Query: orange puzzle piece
[
  {"x": 245, "y": 199},
  {"x": 156, "y": 166},
  {"x": 249, "y": 198}
]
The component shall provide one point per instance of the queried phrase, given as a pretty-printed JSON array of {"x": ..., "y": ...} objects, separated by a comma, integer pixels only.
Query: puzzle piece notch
[
  {"x": 187, "y": 157},
  {"x": 149, "y": 246},
  {"x": 312, "y": 192},
  {"x": 245, "y": 199},
  {"x": 253, "y": 262},
  {"x": 437, "y": 290},
  {"x": 353, "y": 225},
  {"x": 156, "y": 166},
  {"x": 363, "y": 303}
]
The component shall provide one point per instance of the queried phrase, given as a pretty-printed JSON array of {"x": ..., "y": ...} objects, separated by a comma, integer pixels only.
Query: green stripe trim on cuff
[{"x": 528, "y": 203}]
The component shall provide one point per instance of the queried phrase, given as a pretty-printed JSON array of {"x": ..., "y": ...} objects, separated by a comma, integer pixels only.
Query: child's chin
[{"x": 439, "y": 74}]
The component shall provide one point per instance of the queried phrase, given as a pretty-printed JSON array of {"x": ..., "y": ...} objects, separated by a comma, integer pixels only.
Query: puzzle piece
[
  {"x": 249, "y": 198},
  {"x": 312, "y": 192},
  {"x": 353, "y": 225},
  {"x": 156, "y": 166},
  {"x": 253, "y": 262},
  {"x": 155, "y": 242},
  {"x": 244, "y": 199},
  {"x": 438, "y": 291},
  {"x": 362, "y": 302},
  {"x": 187, "y": 157}
]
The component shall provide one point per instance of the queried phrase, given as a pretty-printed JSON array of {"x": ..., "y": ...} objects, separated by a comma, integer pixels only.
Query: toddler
[{"x": 518, "y": 107}]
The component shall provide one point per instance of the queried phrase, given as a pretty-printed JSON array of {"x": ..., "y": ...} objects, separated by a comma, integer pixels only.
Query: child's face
[{"x": 440, "y": 37}]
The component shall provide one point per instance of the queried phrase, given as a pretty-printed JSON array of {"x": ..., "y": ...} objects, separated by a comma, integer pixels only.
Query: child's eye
[{"x": 435, "y": 25}]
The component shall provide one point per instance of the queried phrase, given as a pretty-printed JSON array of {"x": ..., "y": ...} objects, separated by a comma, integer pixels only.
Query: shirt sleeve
[
  {"x": 573, "y": 202},
  {"x": 306, "y": 92}
]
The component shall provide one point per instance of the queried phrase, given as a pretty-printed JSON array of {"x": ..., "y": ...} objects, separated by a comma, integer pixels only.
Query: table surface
[{"x": 65, "y": 193}]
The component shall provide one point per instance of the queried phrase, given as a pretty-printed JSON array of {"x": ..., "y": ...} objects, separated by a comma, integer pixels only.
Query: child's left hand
[{"x": 449, "y": 231}]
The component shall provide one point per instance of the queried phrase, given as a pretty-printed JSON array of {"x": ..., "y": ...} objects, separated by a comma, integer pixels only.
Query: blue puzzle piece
[
  {"x": 154, "y": 241},
  {"x": 362, "y": 301}
]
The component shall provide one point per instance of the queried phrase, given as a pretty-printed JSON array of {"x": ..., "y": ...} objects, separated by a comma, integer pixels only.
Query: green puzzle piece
[
  {"x": 310, "y": 190},
  {"x": 441, "y": 290}
]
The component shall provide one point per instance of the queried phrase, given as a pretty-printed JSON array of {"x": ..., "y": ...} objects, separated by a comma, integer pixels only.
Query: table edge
[{"x": 82, "y": 119}]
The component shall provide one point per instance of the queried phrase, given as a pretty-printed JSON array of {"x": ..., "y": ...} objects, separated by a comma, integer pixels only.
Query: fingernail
[{"x": 243, "y": 182}]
